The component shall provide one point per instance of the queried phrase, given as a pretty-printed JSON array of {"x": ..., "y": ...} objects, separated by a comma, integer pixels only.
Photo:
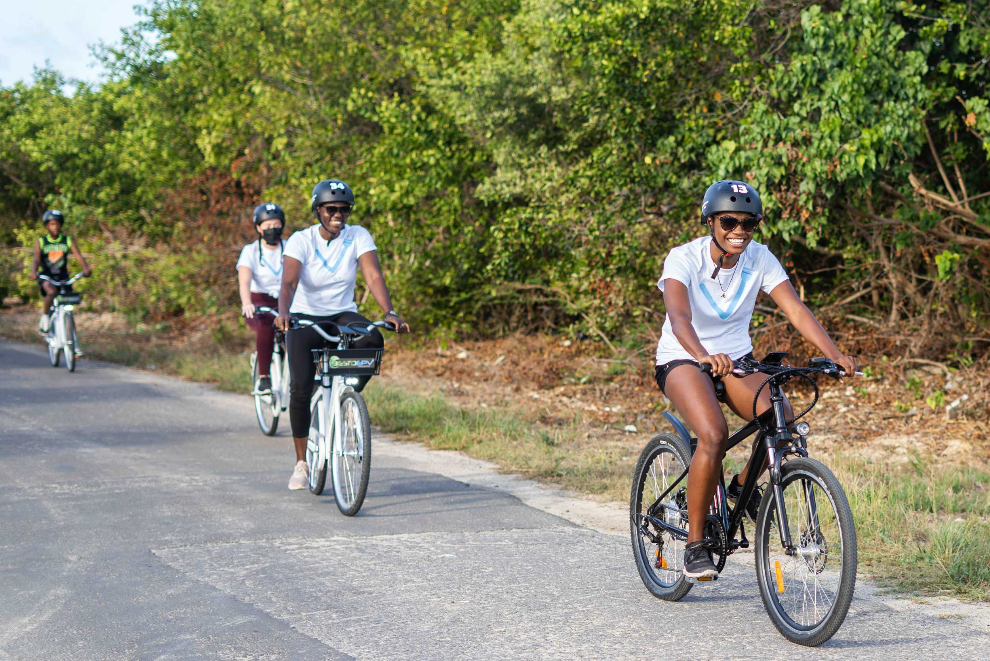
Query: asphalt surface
[{"x": 147, "y": 517}]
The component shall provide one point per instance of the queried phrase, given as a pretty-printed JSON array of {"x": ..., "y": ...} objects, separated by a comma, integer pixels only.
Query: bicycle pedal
[{"x": 702, "y": 579}]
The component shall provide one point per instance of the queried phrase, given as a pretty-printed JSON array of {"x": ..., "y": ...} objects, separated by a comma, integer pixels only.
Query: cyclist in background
[
  {"x": 259, "y": 279},
  {"x": 320, "y": 271},
  {"x": 709, "y": 290},
  {"x": 51, "y": 257}
]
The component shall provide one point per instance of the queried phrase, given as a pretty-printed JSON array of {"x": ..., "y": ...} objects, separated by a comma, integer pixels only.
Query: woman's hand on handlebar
[
  {"x": 720, "y": 362},
  {"x": 848, "y": 364},
  {"x": 283, "y": 322},
  {"x": 247, "y": 309},
  {"x": 400, "y": 325}
]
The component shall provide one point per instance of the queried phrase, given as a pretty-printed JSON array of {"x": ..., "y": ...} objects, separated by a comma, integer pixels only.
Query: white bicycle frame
[
  {"x": 280, "y": 380},
  {"x": 279, "y": 371},
  {"x": 329, "y": 396},
  {"x": 57, "y": 340},
  {"x": 331, "y": 391}
]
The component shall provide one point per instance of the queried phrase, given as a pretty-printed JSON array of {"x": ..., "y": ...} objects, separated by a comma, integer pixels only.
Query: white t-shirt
[
  {"x": 326, "y": 283},
  {"x": 265, "y": 265},
  {"x": 721, "y": 322}
]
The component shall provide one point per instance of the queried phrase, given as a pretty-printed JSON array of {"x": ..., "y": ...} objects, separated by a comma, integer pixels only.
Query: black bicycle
[{"x": 805, "y": 537}]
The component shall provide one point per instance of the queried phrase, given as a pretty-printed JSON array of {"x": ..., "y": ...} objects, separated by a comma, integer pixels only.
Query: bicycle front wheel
[
  {"x": 54, "y": 354},
  {"x": 318, "y": 425},
  {"x": 69, "y": 348},
  {"x": 350, "y": 464},
  {"x": 264, "y": 408},
  {"x": 660, "y": 555},
  {"x": 807, "y": 591}
]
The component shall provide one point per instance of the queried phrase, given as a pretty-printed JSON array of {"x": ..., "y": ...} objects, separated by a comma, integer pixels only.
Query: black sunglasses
[
  {"x": 729, "y": 223},
  {"x": 333, "y": 211}
]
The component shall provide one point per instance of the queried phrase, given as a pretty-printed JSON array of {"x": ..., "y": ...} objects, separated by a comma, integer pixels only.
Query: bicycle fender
[{"x": 678, "y": 427}]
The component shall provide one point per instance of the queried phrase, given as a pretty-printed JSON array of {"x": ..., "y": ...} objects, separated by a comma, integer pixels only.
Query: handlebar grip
[{"x": 706, "y": 368}]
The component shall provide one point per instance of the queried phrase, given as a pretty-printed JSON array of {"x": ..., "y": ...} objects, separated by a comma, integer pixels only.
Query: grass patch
[
  {"x": 516, "y": 443},
  {"x": 925, "y": 527}
]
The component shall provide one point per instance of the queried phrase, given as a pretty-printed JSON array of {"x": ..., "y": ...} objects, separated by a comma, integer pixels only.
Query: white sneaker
[
  {"x": 43, "y": 323},
  {"x": 300, "y": 476}
]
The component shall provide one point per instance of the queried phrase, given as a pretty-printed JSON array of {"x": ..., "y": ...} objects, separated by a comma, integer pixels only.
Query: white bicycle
[
  {"x": 340, "y": 429},
  {"x": 61, "y": 337},
  {"x": 268, "y": 406}
]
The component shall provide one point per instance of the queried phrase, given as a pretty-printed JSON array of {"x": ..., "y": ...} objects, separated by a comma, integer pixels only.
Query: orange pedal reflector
[
  {"x": 704, "y": 578},
  {"x": 661, "y": 561},
  {"x": 780, "y": 577}
]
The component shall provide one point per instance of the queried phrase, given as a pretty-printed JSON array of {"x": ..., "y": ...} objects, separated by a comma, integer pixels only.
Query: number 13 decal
[{"x": 739, "y": 188}]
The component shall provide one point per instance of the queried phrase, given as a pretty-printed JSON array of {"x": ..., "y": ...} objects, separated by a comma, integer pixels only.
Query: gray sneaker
[
  {"x": 697, "y": 563},
  {"x": 300, "y": 476}
]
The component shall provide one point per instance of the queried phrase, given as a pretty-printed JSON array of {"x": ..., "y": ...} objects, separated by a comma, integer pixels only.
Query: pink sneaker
[{"x": 300, "y": 476}]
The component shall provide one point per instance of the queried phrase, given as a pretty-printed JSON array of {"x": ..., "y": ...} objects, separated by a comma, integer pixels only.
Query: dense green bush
[{"x": 529, "y": 163}]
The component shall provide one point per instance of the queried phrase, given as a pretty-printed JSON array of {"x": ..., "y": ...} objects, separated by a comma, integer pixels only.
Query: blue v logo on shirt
[
  {"x": 340, "y": 258},
  {"x": 734, "y": 302}
]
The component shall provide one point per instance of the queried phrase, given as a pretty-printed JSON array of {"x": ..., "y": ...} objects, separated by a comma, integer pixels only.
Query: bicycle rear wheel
[
  {"x": 350, "y": 465},
  {"x": 807, "y": 593},
  {"x": 69, "y": 348},
  {"x": 318, "y": 426},
  {"x": 659, "y": 555},
  {"x": 264, "y": 408}
]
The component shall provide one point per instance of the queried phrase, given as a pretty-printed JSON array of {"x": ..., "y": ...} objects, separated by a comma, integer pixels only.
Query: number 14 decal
[{"x": 739, "y": 188}]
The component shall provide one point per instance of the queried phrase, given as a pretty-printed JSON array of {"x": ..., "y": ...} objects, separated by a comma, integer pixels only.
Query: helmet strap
[{"x": 725, "y": 253}]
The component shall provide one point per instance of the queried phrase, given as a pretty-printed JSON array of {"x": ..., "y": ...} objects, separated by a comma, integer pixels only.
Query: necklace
[{"x": 729, "y": 283}]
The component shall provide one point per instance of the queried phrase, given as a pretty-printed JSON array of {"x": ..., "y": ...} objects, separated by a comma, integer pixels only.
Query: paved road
[{"x": 146, "y": 517}]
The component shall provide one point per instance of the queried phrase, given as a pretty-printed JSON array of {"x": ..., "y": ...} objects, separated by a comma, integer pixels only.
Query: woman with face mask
[{"x": 259, "y": 279}]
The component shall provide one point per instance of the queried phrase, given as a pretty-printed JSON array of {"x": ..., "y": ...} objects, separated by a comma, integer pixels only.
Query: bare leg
[
  {"x": 300, "y": 448},
  {"x": 50, "y": 293},
  {"x": 693, "y": 395},
  {"x": 739, "y": 393}
]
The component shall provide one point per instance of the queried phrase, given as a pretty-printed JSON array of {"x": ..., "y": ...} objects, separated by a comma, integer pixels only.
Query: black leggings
[{"x": 299, "y": 344}]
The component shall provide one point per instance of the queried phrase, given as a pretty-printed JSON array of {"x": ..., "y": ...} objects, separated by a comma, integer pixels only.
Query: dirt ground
[{"x": 898, "y": 411}]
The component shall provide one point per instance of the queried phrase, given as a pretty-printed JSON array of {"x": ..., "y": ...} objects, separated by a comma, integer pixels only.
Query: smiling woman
[
  {"x": 60, "y": 34},
  {"x": 709, "y": 307}
]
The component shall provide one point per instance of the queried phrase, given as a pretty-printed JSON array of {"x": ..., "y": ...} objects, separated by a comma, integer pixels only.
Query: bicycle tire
[
  {"x": 317, "y": 473},
  {"x": 817, "y": 539},
  {"x": 54, "y": 355},
  {"x": 263, "y": 408},
  {"x": 353, "y": 463},
  {"x": 69, "y": 348},
  {"x": 670, "y": 584}
]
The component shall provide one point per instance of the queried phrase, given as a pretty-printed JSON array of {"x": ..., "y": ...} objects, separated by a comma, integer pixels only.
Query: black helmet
[
  {"x": 331, "y": 190},
  {"x": 268, "y": 211},
  {"x": 730, "y": 195},
  {"x": 53, "y": 214}
]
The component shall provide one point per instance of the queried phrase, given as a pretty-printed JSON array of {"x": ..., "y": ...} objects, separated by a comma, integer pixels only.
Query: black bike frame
[{"x": 772, "y": 433}]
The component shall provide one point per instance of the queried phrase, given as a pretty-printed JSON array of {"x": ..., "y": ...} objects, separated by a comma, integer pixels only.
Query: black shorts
[{"x": 663, "y": 370}]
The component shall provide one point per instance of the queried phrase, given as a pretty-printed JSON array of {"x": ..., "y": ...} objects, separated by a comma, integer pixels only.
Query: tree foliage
[{"x": 527, "y": 162}]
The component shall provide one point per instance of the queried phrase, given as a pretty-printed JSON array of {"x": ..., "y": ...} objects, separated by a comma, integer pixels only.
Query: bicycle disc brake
[{"x": 716, "y": 541}]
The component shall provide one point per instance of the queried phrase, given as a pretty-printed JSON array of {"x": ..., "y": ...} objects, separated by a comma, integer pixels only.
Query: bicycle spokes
[{"x": 807, "y": 576}]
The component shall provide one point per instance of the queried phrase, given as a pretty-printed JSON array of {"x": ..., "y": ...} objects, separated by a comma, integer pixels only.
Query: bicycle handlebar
[
  {"x": 61, "y": 283},
  {"x": 744, "y": 367},
  {"x": 304, "y": 323}
]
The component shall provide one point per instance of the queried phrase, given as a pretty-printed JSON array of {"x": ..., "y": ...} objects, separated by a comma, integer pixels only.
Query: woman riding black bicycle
[
  {"x": 319, "y": 273},
  {"x": 709, "y": 290}
]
